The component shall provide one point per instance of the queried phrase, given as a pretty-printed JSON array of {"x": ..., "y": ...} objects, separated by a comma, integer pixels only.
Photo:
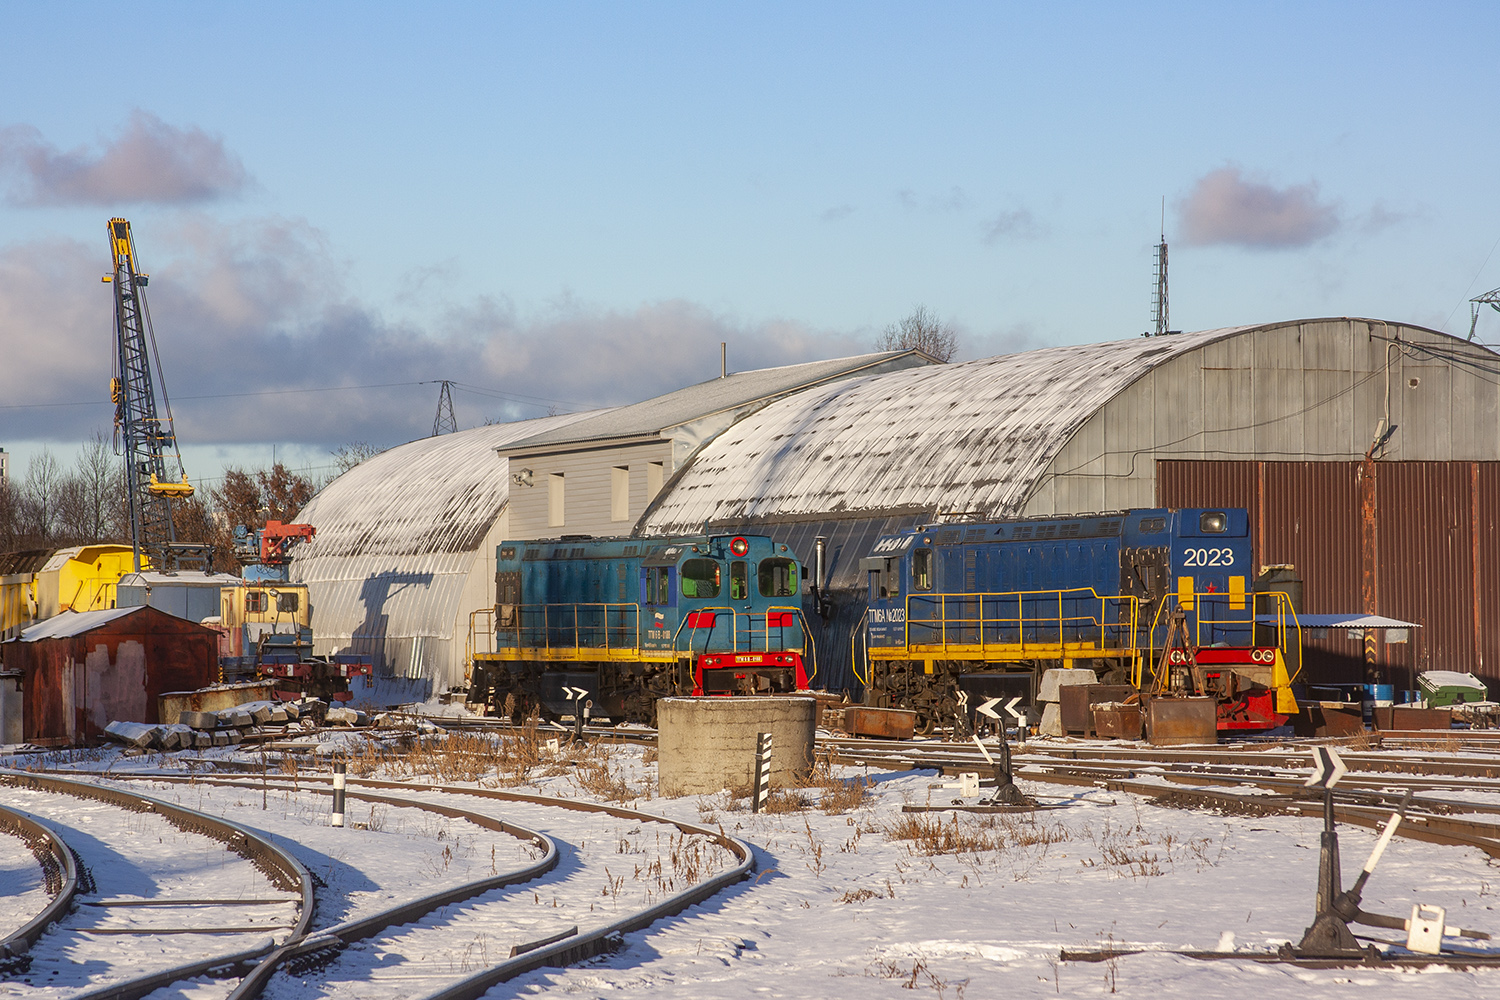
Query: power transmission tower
[
  {"x": 444, "y": 423},
  {"x": 1491, "y": 299}
]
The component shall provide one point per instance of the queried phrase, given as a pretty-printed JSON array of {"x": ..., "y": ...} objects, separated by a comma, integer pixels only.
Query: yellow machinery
[{"x": 82, "y": 578}]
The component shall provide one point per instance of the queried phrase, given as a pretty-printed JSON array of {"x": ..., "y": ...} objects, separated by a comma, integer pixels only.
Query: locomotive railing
[
  {"x": 1257, "y": 619},
  {"x": 1022, "y": 621},
  {"x": 613, "y": 630},
  {"x": 704, "y": 625},
  {"x": 481, "y": 639}
]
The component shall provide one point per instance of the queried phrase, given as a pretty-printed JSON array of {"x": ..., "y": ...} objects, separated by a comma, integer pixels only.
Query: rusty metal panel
[
  {"x": 1076, "y": 703},
  {"x": 171, "y": 704},
  {"x": 1425, "y": 567},
  {"x": 1397, "y": 718},
  {"x": 1487, "y": 570},
  {"x": 891, "y": 723},
  {"x": 1170, "y": 721},
  {"x": 1114, "y": 721},
  {"x": 1309, "y": 518}
]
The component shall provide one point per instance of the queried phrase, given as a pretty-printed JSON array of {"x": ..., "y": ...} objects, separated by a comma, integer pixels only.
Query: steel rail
[
  {"x": 568, "y": 950},
  {"x": 281, "y": 868},
  {"x": 46, "y": 845},
  {"x": 341, "y": 935}
]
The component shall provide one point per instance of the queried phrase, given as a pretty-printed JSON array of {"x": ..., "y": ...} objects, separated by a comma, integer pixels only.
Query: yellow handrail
[
  {"x": 1287, "y": 625},
  {"x": 1020, "y": 621}
]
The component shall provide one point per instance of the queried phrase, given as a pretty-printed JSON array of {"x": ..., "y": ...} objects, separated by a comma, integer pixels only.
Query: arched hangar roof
[
  {"x": 977, "y": 432},
  {"x": 399, "y": 541},
  {"x": 1066, "y": 428}
]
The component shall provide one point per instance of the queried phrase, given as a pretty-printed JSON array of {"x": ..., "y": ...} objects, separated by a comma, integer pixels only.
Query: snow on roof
[
  {"x": 737, "y": 389},
  {"x": 978, "y": 433},
  {"x": 186, "y": 578},
  {"x": 1350, "y": 621},
  {"x": 437, "y": 494},
  {"x": 71, "y": 623}
]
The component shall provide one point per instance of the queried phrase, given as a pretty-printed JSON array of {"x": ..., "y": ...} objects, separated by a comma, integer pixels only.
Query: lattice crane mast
[{"x": 140, "y": 433}]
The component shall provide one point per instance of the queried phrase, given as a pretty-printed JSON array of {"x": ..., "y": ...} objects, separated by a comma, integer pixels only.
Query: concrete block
[
  {"x": 1051, "y": 720},
  {"x": 137, "y": 734},
  {"x": 199, "y": 720},
  {"x": 705, "y": 745},
  {"x": 203, "y": 741},
  {"x": 1056, "y": 678}
]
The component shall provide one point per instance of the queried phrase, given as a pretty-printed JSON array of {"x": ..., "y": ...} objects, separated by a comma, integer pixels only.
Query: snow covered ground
[{"x": 874, "y": 902}]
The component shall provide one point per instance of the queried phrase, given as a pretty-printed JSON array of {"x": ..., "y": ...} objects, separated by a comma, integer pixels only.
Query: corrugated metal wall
[{"x": 1430, "y": 552}]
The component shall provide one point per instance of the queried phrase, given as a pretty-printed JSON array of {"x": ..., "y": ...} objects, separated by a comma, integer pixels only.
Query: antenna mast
[{"x": 1159, "y": 311}]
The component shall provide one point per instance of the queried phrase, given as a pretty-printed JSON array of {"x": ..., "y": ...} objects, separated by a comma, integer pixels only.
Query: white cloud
[
  {"x": 1226, "y": 208},
  {"x": 149, "y": 161}
]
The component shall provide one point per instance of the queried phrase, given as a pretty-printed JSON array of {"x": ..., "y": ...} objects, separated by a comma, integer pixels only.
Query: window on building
[
  {"x": 255, "y": 602},
  {"x": 654, "y": 471},
  {"x": 700, "y": 578},
  {"x": 778, "y": 578},
  {"x": 921, "y": 569},
  {"x": 555, "y": 500},
  {"x": 619, "y": 493}
]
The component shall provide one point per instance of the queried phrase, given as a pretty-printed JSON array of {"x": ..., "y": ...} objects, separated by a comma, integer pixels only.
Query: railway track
[
  {"x": 1454, "y": 804},
  {"x": 266, "y": 896},
  {"x": 388, "y": 953}
]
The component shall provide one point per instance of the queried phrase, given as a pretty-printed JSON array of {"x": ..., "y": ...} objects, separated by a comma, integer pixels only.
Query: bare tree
[
  {"x": 923, "y": 331},
  {"x": 39, "y": 496},
  {"x": 89, "y": 502},
  {"x": 347, "y": 456}
]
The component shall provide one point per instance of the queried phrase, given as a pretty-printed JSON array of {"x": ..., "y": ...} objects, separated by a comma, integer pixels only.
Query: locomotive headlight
[
  {"x": 739, "y": 547},
  {"x": 1213, "y": 522}
]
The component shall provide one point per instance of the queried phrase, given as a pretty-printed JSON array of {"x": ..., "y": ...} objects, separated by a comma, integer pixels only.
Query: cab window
[
  {"x": 739, "y": 581},
  {"x": 778, "y": 578},
  {"x": 255, "y": 602},
  {"x": 700, "y": 578},
  {"x": 659, "y": 585},
  {"x": 286, "y": 603},
  {"x": 921, "y": 569}
]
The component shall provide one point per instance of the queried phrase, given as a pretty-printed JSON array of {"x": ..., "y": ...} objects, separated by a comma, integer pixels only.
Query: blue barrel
[{"x": 1380, "y": 694}]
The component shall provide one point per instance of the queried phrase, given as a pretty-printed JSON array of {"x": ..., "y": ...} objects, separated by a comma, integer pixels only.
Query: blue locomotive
[
  {"x": 608, "y": 625},
  {"x": 1162, "y": 599}
]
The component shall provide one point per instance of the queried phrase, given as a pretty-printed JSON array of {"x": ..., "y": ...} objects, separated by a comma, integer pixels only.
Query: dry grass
[
  {"x": 838, "y": 795},
  {"x": 915, "y": 975},
  {"x": 781, "y": 800},
  {"x": 930, "y": 834}
]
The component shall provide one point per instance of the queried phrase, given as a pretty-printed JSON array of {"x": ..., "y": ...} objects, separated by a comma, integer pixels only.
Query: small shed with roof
[{"x": 80, "y": 671}]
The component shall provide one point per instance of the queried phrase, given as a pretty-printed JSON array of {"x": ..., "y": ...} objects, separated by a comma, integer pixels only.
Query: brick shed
[{"x": 82, "y": 671}]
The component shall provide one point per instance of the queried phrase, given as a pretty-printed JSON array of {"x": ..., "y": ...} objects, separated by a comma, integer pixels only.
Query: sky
[{"x": 561, "y": 206}]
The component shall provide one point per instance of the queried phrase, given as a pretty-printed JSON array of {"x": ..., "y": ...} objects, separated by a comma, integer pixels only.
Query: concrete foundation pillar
[{"x": 705, "y": 745}]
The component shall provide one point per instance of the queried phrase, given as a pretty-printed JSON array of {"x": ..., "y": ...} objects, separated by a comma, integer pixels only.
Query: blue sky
[{"x": 572, "y": 205}]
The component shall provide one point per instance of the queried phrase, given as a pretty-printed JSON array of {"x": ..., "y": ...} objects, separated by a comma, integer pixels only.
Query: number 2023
[{"x": 1209, "y": 557}]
